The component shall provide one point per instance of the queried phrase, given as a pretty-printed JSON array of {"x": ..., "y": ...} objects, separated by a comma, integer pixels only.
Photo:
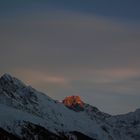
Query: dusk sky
[{"x": 89, "y": 48}]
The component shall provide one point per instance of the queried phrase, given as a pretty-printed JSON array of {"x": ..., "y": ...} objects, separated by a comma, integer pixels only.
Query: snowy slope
[{"x": 20, "y": 104}]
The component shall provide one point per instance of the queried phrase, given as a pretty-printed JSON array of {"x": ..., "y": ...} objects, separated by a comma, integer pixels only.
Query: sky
[{"x": 89, "y": 48}]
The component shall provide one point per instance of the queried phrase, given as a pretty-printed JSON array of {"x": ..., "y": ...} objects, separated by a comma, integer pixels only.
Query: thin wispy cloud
[
  {"x": 35, "y": 77},
  {"x": 64, "y": 50}
]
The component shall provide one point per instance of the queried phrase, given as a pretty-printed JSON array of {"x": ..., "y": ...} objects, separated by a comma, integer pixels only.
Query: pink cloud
[{"x": 34, "y": 77}]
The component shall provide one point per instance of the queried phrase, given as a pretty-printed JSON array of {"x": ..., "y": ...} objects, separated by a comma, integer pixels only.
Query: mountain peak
[
  {"x": 74, "y": 102},
  {"x": 15, "y": 93},
  {"x": 7, "y": 77},
  {"x": 10, "y": 80}
]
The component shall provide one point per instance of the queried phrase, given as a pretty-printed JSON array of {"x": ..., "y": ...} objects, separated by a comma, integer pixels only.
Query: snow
[{"x": 19, "y": 103}]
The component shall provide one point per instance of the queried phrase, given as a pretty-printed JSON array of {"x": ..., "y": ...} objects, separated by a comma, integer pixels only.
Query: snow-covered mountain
[{"x": 27, "y": 114}]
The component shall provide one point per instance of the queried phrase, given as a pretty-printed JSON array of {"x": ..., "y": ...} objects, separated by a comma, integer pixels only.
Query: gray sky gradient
[{"x": 65, "y": 52}]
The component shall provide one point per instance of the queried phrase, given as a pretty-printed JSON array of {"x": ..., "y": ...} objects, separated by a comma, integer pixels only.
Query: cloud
[
  {"x": 35, "y": 77},
  {"x": 69, "y": 40},
  {"x": 117, "y": 73},
  {"x": 67, "y": 53},
  {"x": 53, "y": 84}
]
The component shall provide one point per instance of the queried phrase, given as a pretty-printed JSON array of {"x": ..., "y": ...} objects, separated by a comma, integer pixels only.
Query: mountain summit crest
[
  {"x": 74, "y": 102},
  {"x": 8, "y": 80}
]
